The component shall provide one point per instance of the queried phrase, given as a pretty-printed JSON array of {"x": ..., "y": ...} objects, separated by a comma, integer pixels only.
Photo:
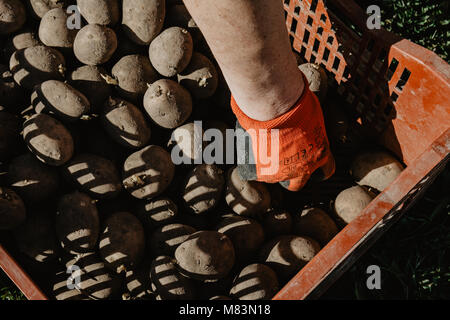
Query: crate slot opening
[
  {"x": 294, "y": 26},
  {"x": 403, "y": 79},
  {"x": 313, "y": 5}
]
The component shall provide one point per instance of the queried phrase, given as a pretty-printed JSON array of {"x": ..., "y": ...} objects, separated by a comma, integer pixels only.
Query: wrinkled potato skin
[
  {"x": 155, "y": 165},
  {"x": 122, "y": 243},
  {"x": 34, "y": 65},
  {"x": 12, "y": 16},
  {"x": 125, "y": 123},
  {"x": 33, "y": 180},
  {"x": 142, "y": 20},
  {"x": 171, "y": 51},
  {"x": 48, "y": 139},
  {"x": 95, "y": 44},
  {"x": 200, "y": 77},
  {"x": 206, "y": 255},
  {"x": 167, "y": 103},
  {"x": 53, "y": 96},
  {"x": 134, "y": 73},
  {"x": 77, "y": 214},
  {"x": 95, "y": 175},
  {"x": 12, "y": 209},
  {"x": 103, "y": 12},
  {"x": 53, "y": 31},
  {"x": 88, "y": 80}
]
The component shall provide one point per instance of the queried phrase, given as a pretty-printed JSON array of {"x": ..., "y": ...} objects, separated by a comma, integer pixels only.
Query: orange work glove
[{"x": 300, "y": 142}]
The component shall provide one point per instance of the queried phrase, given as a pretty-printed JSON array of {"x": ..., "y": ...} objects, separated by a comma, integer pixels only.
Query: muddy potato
[
  {"x": 48, "y": 139},
  {"x": 34, "y": 65},
  {"x": 33, "y": 180},
  {"x": 376, "y": 169},
  {"x": 53, "y": 30},
  {"x": 12, "y": 16},
  {"x": 103, "y": 12},
  {"x": 317, "y": 79},
  {"x": 287, "y": 254},
  {"x": 246, "y": 234},
  {"x": 187, "y": 142},
  {"x": 167, "y": 103},
  {"x": 157, "y": 212},
  {"x": 10, "y": 128},
  {"x": 12, "y": 209},
  {"x": 40, "y": 7},
  {"x": 122, "y": 242},
  {"x": 351, "y": 202},
  {"x": 166, "y": 239},
  {"x": 61, "y": 99},
  {"x": 199, "y": 77},
  {"x": 93, "y": 279},
  {"x": 142, "y": 20},
  {"x": 133, "y": 74},
  {"x": 95, "y": 44},
  {"x": 171, "y": 51},
  {"x": 169, "y": 283},
  {"x": 20, "y": 40},
  {"x": 95, "y": 175},
  {"x": 277, "y": 222},
  {"x": 246, "y": 198},
  {"x": 317, "y": 224},
  {"x": 89, "y": 81},
  {"x": 36, "y": 238},
  {"x": 203, "y": 188},
  {"x": 77, "y": 223},
  {"x": 255, "y": 282},
  {"x": 125, "y": 123},
  {"x": 148, "y": 172},
  {"x": 206, "y": 255}
]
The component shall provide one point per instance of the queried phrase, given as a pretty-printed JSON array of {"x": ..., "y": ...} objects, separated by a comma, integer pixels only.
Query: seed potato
[
  {"x": 167, "y": 103},
  {"x": 351, "y": 202},
  {"x": 165, "y": 240},
  {"x": 125, "y": 123},
  {"x": 48, "y": 139},
  {"x": 12, "y": 16},
  {"x": 103, "y": 12},
  {"x": 317, "y": 224},
  {"x": 95, "y": 44},
  {"x": 61, "y": 99},
  {"x": 122, "y": 242},
  {"x": 255, "y": 282},
  {"x": 53, "y": 30},
  {"x": 12, "y": 209}
]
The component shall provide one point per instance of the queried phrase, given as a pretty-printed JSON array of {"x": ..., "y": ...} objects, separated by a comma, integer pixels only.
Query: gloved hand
[{"x": 288, "y": 149}]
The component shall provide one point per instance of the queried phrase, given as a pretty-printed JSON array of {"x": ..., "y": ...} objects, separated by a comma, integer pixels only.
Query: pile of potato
[{"x": 88, "y": 118}]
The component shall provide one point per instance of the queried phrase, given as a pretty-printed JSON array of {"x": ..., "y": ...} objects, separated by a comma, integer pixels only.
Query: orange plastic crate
[{"x": 399, "y": 93}]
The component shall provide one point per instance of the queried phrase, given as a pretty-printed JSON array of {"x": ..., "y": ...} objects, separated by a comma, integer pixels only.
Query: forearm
[{"x": 249, "y": 41}]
